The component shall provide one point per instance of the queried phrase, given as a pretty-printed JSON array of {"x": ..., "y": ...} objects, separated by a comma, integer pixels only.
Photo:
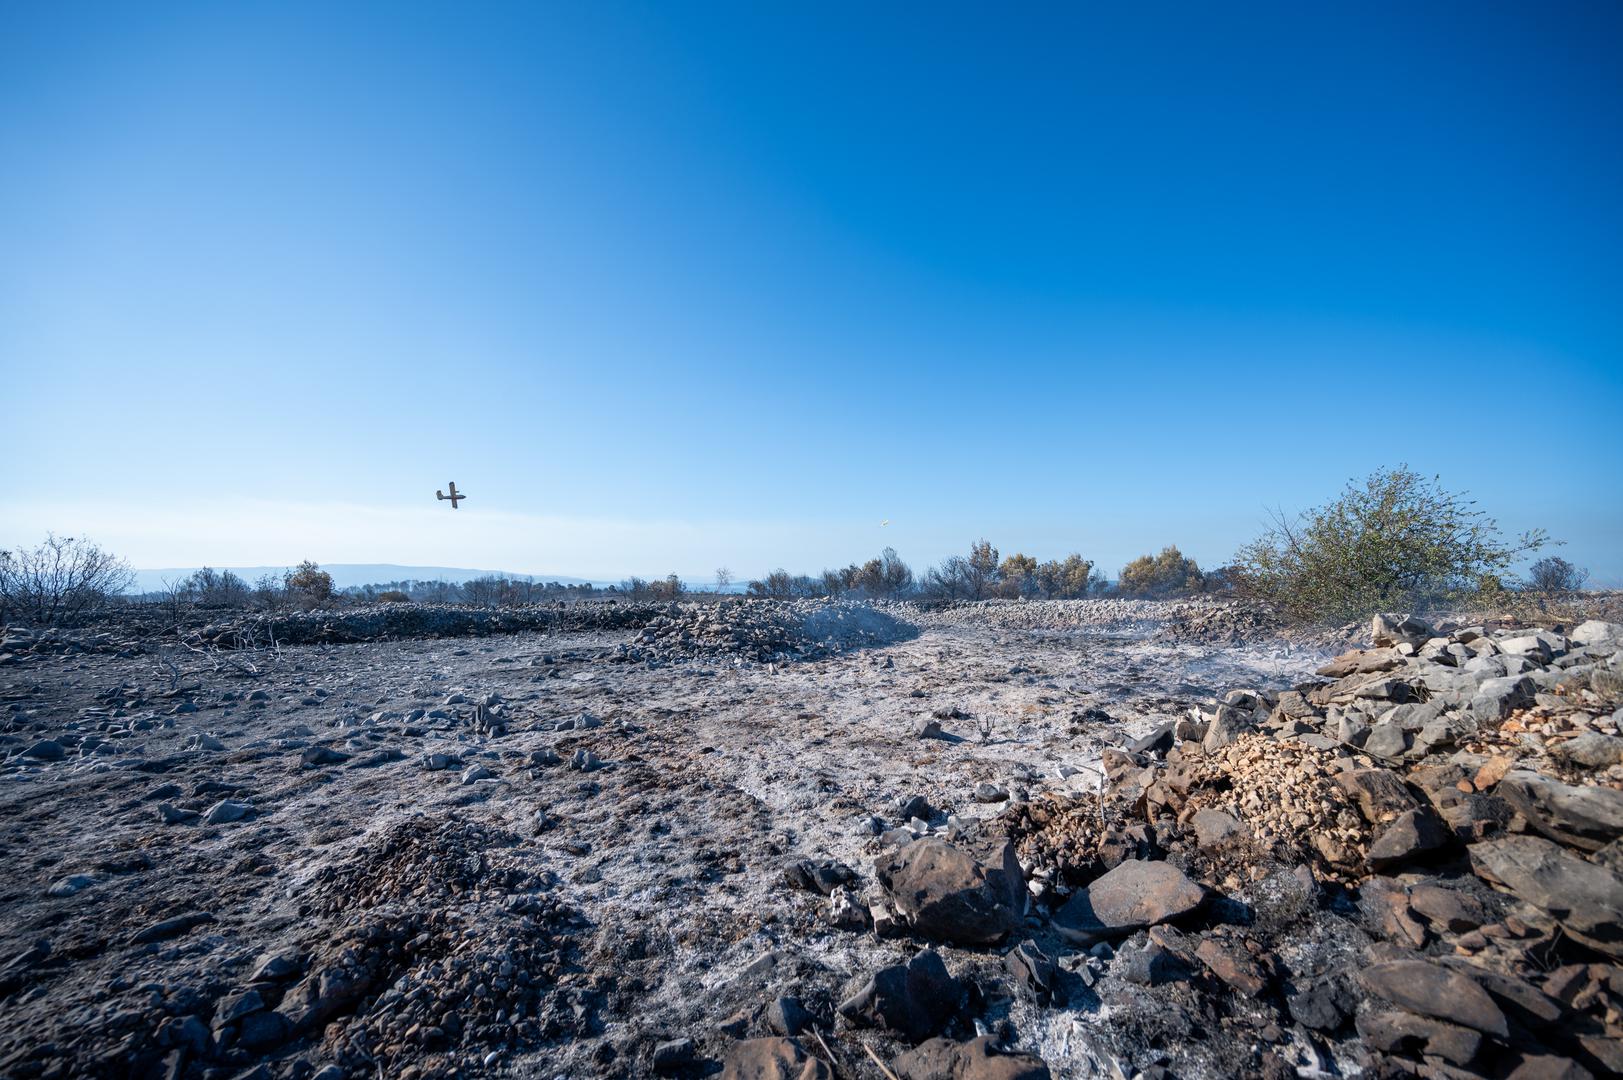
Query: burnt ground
[{"x": 512, "y": 912}]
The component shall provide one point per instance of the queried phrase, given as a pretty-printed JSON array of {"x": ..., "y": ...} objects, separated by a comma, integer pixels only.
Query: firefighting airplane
[{"x": 455, "y": 497}]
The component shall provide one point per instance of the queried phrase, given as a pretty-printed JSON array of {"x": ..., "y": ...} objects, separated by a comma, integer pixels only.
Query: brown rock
[
  {"x": 1405, "y": 1033},
  {"x": 1448, "y": 909},
  {"x": 946, "y": 893},
  {"x": 1412, "y": 835},
  {"x": 773, "y": 1059},
  {"x": 1134, "y": 895},
  {"x": 1380, "y": 794},
  {"x": 1548, "y": 1067},
  {"x": 978, "y": 1059},
  {"x": 1234, "y": 966},
  {"x": 1586, "y": 899},
  {"x": 1214, "y": 827},
  {"x": 1432, "y": 990},
  {"x": 1493, "y": 772}
]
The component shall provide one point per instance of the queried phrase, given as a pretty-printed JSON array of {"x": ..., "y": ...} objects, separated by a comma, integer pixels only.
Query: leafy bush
[
  {"x": 1170, "y": 573},
  {"x": 1396, "y": 542},
  {"x": 1067, "y": 579},
  {"x": 309, "y": 585},
  {"x": 1017, "y": 576},
  {"x": 671, "y": 588},
  {"x": 393, "y": 596},
  {"x": 58, "y": 580}
]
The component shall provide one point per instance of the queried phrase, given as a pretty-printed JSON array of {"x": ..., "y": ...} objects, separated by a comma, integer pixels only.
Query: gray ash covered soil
[{"x": 690, "y": 839}]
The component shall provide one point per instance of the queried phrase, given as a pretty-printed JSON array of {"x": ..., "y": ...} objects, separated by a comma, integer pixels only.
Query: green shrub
[
  {"x": 1170, "y": 573},
  {"x": 1066, "y": 579},
  {"x": 309, "y": 585},
  {"x": 1395, "y": 542}
]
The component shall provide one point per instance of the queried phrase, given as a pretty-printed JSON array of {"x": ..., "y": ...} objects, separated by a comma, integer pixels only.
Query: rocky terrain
[{"x": 982, "y": 842}]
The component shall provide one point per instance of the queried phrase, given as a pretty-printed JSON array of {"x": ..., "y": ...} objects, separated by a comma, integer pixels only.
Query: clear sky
[{"x": 667, "y": 286}]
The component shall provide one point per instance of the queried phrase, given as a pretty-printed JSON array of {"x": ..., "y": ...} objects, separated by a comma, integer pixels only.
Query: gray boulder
[
  {"x": 1591, "y": 750},
  {"x": 1595, "y": 632},
  {"x": 1496, "y": 699}
]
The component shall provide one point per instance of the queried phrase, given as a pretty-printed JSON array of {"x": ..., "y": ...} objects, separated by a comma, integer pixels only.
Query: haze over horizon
[{"x": 669, "y": 288}]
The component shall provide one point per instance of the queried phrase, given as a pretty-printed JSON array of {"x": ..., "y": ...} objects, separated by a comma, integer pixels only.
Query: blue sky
[{"x": 667, "y": 286}]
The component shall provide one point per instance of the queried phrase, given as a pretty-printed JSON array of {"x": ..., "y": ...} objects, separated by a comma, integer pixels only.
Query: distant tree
[
  {"x": 635, "y": 587},
  {"x": 1064, "y": 579},
  {"x": 1555, "y": 576},
  {"x": 309, "y": 585},
  {"x": 393, "y": 596},
  {"x": 1018, "y": 576},
  {"x": 778, "y": 585},
  {"x": 983, "y": 566},
  {"x": 216, "y": 589},
  {"x": 59, "y": 580},
  {"x": 269, "y": 593},
  {"x": 952, "y": 580},
  {"x": 724, "y": 578},
  {"x": 1170, "y": 573},
  {"x": 1396, "y": 542},
  {"x": 671, "y": 588},
  {"x": 895, "y": 576}
]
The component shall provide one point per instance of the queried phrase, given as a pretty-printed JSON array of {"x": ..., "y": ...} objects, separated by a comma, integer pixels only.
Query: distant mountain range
[{"x": 346, "y": 575}]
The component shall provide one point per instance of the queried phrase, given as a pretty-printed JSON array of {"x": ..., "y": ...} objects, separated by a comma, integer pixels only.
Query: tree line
[{"x": 1395, "y": 541}]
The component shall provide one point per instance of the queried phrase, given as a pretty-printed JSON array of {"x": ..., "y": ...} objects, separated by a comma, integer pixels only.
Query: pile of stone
[
  {"x": 1259, "y": 889},
  {"x": 19, "y": 644},
  {"x": 1458, "y": 792},
  {"x": 764, "y": 631},
  {"x": 387, "y": 622},
  {"x": 1219, "y": 623},
  {"x": 1195, "y": 620}
]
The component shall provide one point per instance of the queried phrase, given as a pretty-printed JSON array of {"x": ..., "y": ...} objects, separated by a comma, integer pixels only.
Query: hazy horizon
[{"x": 661, "y": 291}]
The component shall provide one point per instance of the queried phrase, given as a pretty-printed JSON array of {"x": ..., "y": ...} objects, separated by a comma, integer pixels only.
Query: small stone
[
  {"x": 172, "y": 815},
  {"x": 45, "y": 750},
  {"x": 671, "y": 1056},
  {"x": 70, "y": 885},
  {"x": 1214, "y": 828},
  {"x": 225, "y": 811}
]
